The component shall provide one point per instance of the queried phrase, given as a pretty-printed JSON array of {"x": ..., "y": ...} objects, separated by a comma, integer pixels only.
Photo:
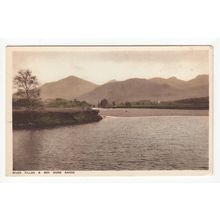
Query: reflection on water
[{"x": 116, "y": 143}]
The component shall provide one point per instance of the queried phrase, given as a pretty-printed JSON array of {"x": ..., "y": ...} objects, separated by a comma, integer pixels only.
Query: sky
[{"x": 102, "y": 64}]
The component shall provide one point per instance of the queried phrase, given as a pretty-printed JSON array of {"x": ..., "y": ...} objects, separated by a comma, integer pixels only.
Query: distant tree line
[
  {"x": 191, "y": 103},
  {"x": 63, "y": 103}
]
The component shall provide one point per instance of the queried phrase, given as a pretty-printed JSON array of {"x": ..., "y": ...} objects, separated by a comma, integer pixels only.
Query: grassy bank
[{"x": 23, "y": 119}]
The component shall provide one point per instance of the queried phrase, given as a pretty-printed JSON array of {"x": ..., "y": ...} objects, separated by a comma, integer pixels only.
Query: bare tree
[{"x": 27, "y": 86}]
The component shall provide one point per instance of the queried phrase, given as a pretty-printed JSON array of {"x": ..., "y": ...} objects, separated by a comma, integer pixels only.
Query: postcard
[{"x": 109, "y": 110}]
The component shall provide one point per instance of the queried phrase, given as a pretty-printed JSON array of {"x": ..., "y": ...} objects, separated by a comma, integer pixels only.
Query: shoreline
[
  {"x": 54, "y": 117},
  {"x": 140, "y": 112},
  {"x": 24, "y": 119}
]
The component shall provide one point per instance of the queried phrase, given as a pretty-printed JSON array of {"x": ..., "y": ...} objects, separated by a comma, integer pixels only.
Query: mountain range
[{"x": 135, "y": 89}]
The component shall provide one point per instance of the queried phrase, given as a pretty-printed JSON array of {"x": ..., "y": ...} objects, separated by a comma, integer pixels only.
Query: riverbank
[
  {"x": 53, "y": 117},
  {"x": 137, "y": 112},
  {"x": 201, "y": 103}
]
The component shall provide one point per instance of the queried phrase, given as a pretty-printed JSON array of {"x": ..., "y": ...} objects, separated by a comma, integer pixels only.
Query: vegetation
[
  {"x": 23, "y": 103},
  {"x": 193, "y": 103},
  {"x": 28, "y": 93},
  {"x": 63, "y": 103},
  {"x": 104, "y": 103}
]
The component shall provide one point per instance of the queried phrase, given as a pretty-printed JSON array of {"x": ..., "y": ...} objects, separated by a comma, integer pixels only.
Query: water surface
[{"x": 116, "y": 143}]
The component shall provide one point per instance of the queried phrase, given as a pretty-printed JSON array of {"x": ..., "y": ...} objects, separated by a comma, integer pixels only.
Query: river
[{"x": 173, "y": 141}]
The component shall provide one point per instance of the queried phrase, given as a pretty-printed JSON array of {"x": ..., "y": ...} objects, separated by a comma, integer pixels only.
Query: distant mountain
[
  {"x": 200, "y": 80},
  {"x": 173, "y": 82},
  {"x": 153, "y": 89},
  {"x": 67, "y": 88}
]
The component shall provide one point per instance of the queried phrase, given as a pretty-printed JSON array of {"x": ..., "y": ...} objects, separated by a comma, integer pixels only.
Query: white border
[{"x": 216, "y": 166}]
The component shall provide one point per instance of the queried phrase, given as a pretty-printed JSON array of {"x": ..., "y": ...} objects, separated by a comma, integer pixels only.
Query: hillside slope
[{"x": 67, "y": 88}]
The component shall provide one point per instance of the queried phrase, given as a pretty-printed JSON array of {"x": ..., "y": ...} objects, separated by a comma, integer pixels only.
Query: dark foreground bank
[{"x": 51, "y": 118}]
